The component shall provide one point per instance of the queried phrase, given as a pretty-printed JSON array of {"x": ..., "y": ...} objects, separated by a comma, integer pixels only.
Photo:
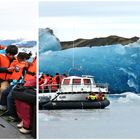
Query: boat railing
[
  {"x": 50, "y": 88},
  {"x": 88, "y": 76},
  {"x": 102, "y": 85}
]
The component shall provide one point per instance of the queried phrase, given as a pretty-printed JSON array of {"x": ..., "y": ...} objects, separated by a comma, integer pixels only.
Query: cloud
[
  {"x": 88, "y": 8},
  {"x": 18, "y": 18},
  {"x": 69, "y": 28},
  {"x": 87, "y": 19}
]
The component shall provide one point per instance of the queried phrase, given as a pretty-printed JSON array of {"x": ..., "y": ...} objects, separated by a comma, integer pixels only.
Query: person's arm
[
  {"x": 3, "y": 69},
  {"x": 6, "y": 70}
]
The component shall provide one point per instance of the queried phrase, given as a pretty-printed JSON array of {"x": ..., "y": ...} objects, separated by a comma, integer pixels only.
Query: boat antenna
[
  {"x": 73, "y": 50},
  {"x": 73, "y": 54}
]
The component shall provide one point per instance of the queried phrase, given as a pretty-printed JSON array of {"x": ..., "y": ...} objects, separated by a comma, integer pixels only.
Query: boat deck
[{"x": 8, "y": 129}]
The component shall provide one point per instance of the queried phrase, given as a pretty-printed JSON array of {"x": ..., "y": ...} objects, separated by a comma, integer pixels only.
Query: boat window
[
  {"x": 66, "y": 82},
  {"x": 76, "y": 81},
  {"x": 87, "y": 81}
]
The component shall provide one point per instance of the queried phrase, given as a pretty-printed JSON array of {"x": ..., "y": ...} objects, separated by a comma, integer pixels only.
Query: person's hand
[{"x": 11, "y": 68}]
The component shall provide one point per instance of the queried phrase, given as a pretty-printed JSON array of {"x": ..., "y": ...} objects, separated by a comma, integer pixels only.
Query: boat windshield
[
  {"x": 87, "y": 81},
  {"x": 66, "y": 82},
  {"x": 76, "y": 81}
]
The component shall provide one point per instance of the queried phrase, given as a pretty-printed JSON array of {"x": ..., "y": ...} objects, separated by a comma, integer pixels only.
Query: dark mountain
[{"x": 102, "y": 41}]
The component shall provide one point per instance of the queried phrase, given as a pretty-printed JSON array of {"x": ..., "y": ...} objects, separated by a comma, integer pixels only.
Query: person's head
[
  {"x": 11, "y": 51},
  {"x": 57, "y": 73},
  {"x": 22, "y": 56},
  {"x": 92, "y": 94},
  {"x": 28, "y": 55},
  {"x": 64, "y": 75}
]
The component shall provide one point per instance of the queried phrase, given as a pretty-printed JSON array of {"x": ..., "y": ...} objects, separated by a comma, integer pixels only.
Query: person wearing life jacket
[
  {"x": 54, "y": 84},
  {"x": 44, "y": 85},
  {"x": 91, "y": 97},
  {"x": 16, "y": 77},
  {"x": 42, "y": 81},
  {"x": 31, "y": 70},
  {"x": 45, "y": 82},
  {"x": 57, "y": 79},
  {"x": 100, "y": 97},
  {"x": 48, "y": 84},
  {"x": 5, "y": 69},
  {"x": 24, "y": 109}
]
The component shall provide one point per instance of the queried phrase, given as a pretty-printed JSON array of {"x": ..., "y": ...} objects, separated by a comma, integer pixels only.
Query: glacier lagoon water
[
  {"x": 118, "y": 121},
  {"x": 116, "y": 65}
]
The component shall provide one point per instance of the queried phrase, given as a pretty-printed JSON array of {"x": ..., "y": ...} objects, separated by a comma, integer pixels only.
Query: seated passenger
[
  {"x": 100, "y": 97},
  {"x": 23, "y": 107},
  {"x": 19, "y": 66},
  {"x": 91, "y": 97},
  {"x": 5, "y": 67}
]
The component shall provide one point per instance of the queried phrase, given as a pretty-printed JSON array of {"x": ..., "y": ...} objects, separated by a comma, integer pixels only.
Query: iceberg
[
  {"x": 118, "y": 65},
  {"x": 47, "y": 41}
]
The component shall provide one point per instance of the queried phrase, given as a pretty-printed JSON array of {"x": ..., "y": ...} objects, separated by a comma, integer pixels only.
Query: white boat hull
[{"x": 63, "y": 97}]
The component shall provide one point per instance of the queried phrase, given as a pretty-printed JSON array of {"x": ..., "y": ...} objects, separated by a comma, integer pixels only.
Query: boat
[{"x": 72, "y": 94}]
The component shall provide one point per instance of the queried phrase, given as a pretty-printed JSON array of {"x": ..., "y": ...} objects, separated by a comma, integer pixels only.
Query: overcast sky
[
  {"x": 89, "y": 19},
  {"x": 18, "y": 19}
]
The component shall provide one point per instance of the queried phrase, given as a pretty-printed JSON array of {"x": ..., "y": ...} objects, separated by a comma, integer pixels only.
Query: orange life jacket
[
  {"x": 48, "y": 79},
  {"x": 4, "y": 62},
  {"x": 56, "y": 78},
  {"x": 41, "y": 81},
  {"x": 13, "y": 64},
  {"x": 54, "y": 84},
  {"x": 17, "y": 73},
  {"x": 31, "y": 72}
]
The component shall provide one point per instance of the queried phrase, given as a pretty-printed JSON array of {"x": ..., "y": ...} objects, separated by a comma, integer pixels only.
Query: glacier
[{"x": 118, "y": 65}]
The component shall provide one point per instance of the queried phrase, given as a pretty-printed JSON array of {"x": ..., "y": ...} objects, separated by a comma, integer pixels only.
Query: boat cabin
[{"x": 85, "y": 83}]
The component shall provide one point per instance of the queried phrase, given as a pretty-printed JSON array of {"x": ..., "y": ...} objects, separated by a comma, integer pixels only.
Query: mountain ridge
[
  {"x": 18, "y": 42},
  {"x": 101, "y": 41}
]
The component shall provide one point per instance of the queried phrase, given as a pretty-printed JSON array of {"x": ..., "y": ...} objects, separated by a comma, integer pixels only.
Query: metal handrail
[
  {"x": 48, "y": 86},
  {"x": 102, "y": 85}
]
